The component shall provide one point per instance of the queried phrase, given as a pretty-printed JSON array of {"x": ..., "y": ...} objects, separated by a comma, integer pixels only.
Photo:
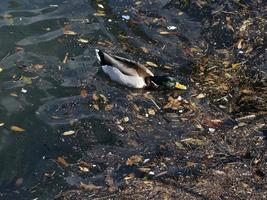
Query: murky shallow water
[{"x": 33, "y": 45}]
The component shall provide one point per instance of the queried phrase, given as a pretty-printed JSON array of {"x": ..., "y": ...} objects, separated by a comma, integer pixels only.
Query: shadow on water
[{"x": 38, "y": 89}]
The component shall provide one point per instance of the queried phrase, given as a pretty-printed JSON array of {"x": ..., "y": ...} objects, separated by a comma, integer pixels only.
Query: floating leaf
[
  {"x": 83, "y": 169},
  {"x": 164, "y": 33},
  {"x": 108, "y": 107},
  {"x": 134, "y": 160},
  {"x": 200, "y": 96},
  {"x": 38, "y": 66},
  {"x": 17, "y": 129},
  {"x": 193, "y": 141},
  {"x": 151, "y": 111},
  {"x": 144, "y": 49},
  {"x": 84, "y": 93},
  {"x": 95, "y": 96},
  {"x": 84, "y": 41},
  {"x": 69, "y": 32},
  {"x": 62, "y": 161},
  {"x": 67, "y": 133},
  {"x": 89, "y": 187},
  {"x": 96, "y": 106},
  {"x": 2, "y": 124},
  {"x": 1, "y": 69},
  {"x": 100, "y": 13},
  {"x": 151, "y": 64},
  {"x": 26, "y": 80}
]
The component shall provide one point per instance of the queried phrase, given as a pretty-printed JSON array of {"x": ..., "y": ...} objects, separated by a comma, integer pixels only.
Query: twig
[{"x": 155, "y": 103}]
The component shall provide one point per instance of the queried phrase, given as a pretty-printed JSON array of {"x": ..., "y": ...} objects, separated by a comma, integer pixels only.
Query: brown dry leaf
[
  {"x": 84, "y": 93},
  {"x": 109, "y": 107},
  {"x": 129, "y": 176},
  {"x": 212, "y": 123},
  {"x": 144, "y": 169},
  {"x": 62, "y": 161},
  {"x": 17, "y": 49},
  {"x": 38, "y": 66},
  {"x": 236, "y": 65},
  {"x": 17, "y": 129},
  {"x": 239, "y": 44},
  {"x": 193, "y": 141},
  {"x": 95, "y": 96},
  {"x": 105, "y": 99},
  {"x": 89, "y": 187},
  {"x": 190, "y": 164},
  {"x": 84, "y": 41},
  {"x": 174, "y": 104},
  {"x": 83, "y": 169},
  {"x": 13, "y": 94},
  {"x": 68, "y": 133},
  {"x": 200, "y": 96},
  {"x": 69, "y": 32},
  {"x": 96, "y": 106},
  {"x": 151, "y": 111},
  {"x": 144, "y": 49},
  {"x": 151, "y": 64},
  {"x": 135, "y": 159},
  {"x": 135, "y": 107}
]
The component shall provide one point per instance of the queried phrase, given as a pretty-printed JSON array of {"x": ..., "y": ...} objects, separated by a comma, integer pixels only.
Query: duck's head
[{"x": 166, "y": 82}]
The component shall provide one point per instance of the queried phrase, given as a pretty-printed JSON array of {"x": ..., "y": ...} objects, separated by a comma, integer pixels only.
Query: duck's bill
[{"x": 180, "y": 86}]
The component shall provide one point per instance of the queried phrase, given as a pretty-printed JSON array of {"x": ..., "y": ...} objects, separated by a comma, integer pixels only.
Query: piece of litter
[
  {"x": 211, "y": 130},
  {"x": 171, "y": 28},
  {"x": 126, "y": 17},
  {"x": 23, "y": 90}
]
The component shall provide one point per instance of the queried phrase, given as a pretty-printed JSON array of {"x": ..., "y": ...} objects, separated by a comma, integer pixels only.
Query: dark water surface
[{"x": 39, "y": 91}]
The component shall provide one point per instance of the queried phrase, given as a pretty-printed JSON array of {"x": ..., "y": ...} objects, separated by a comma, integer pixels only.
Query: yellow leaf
[
  {"x": 16, "y": 129},
  {"x": 151, "y": 64},
  {"x": 2, "y": 124},
  {"x": 1, "y": 69}
]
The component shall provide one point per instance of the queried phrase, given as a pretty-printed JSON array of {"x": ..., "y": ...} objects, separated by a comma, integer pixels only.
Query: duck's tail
[{"x": 100, "y": 56}]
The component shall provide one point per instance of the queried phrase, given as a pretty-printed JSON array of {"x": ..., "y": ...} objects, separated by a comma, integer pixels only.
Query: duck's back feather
[
  {"x": 130, "y": 81},
  {"x": 126, "y": 66}
]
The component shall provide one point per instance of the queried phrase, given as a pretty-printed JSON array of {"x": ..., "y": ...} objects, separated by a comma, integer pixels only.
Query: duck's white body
[{"x": 130, "y": 81}]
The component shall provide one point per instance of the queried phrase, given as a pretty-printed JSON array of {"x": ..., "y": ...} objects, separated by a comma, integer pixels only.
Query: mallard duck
[{"x": 133, "y": 74}]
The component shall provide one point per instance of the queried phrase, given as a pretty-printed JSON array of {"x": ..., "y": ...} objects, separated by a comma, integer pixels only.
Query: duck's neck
[{"x": 154, "y": 81}]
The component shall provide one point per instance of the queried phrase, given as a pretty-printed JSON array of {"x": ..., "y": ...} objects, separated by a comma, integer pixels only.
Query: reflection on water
[{"x": 43, "y": 71}]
